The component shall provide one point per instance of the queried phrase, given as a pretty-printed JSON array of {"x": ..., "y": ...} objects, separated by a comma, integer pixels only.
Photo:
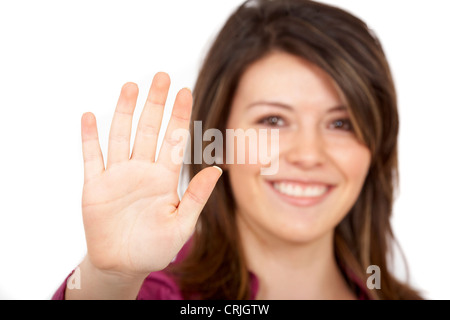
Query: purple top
[{"x": 160, "y": 286}]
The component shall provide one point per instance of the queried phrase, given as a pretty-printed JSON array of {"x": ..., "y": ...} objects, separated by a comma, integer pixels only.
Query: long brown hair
[{"x": 350, "y": 53}]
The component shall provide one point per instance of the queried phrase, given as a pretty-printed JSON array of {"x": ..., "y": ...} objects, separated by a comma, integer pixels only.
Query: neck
[{"x": 289, "y": 270}]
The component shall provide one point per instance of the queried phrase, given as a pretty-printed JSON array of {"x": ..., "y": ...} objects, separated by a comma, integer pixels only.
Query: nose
[{"x": 306, "y": 149}]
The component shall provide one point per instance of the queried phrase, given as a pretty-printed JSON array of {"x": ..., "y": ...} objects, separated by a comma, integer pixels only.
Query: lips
[{"x": 300, "y": 193}]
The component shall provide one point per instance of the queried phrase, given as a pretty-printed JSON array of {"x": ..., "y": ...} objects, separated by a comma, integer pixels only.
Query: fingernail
[{"x": 218, "y": 168}]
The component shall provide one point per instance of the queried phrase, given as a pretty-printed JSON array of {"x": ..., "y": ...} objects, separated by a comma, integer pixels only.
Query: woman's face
[{"x": 321, "y": 164}]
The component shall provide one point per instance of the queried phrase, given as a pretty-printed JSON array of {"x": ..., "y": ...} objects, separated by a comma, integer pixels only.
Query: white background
[{"x": 59, "y": 59}]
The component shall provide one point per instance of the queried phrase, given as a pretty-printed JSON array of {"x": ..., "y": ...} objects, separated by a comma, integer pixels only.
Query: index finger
[{"x": 173, "y": 144}]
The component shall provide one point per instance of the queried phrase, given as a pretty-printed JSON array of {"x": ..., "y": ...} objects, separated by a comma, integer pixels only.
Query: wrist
[
  {"x": 112, "y": 277},
  {"x": 97, "y": 284}
]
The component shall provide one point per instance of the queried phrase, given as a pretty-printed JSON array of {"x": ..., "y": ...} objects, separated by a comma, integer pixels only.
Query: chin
[{"x": 299, "y": 231}]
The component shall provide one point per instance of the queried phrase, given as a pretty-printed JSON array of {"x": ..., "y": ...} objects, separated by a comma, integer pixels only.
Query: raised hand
[{"x": 134, "y": 220}]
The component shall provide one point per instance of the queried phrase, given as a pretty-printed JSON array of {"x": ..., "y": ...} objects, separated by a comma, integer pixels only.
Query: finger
[
  {"x": 172, "y": 148},
  {"x": 120, "y": 132},
  {"x": 197, "y": 194},
  {"x": 92, "y": 153},
  {"x": 149, "y": 124}
]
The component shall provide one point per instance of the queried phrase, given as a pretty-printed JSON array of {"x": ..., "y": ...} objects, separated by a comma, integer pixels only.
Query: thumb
[{"x": 197, "y": 194}]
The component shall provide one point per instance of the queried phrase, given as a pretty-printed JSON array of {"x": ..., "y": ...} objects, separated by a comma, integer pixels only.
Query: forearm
[{"x": 93, "y": 284}]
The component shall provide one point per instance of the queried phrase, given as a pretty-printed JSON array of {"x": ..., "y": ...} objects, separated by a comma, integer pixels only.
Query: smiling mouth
[{"x": 299, "y": 193}]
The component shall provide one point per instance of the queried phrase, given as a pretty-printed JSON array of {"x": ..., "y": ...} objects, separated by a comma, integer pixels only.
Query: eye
[
  {"x": 272, "y": 121},
  {"x": 342, "y": 124}
]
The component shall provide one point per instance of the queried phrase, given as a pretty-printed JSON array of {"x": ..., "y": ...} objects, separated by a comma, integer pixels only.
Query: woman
[{"x": 319, "y": 77}]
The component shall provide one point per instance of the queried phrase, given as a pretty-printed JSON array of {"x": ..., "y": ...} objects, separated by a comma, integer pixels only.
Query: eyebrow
[{"x": 288, "y": 107}]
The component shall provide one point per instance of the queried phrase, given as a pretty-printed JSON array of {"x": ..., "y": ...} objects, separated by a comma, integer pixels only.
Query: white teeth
[{"x": 299, "y": 191}]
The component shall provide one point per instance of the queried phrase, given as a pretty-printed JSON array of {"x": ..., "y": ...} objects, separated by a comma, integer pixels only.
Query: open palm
[{"x": 134, "y": 220}]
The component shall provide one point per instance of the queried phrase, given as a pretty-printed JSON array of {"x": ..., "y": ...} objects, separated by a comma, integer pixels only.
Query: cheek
[
  {"x": 244, "y": 168},
  {"x": 243, "y": 180},
  {"x": 252, "y": 150},
  {"x": 352, "y": 159}
]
